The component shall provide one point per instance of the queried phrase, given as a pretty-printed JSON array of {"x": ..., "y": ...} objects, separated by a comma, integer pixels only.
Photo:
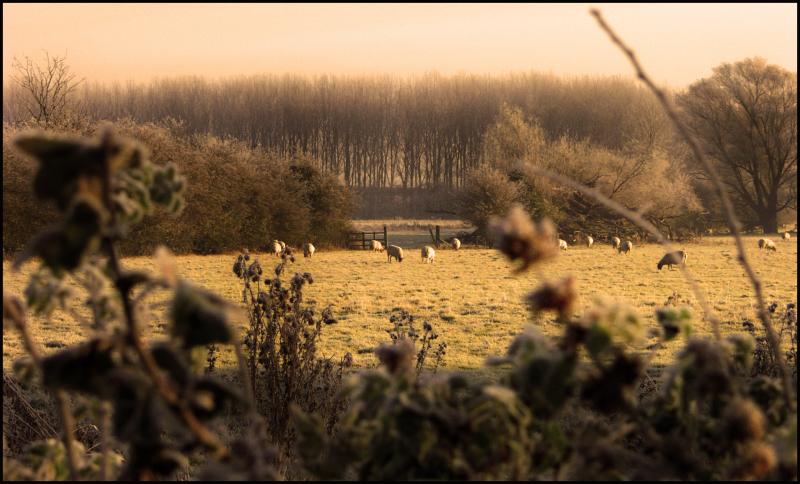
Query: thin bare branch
[{"x": 105, "y": 428}]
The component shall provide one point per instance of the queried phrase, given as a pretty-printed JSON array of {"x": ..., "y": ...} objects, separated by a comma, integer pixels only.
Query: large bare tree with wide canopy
[{"x": 745, "y": 115}]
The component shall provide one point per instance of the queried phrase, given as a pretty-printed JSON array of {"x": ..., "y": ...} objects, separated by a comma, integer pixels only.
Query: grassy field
[{"x": 470, "y": 296}]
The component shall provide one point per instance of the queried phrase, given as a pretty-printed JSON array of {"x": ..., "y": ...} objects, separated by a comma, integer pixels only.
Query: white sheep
[
  {"x": 625, "y": 247},
  {"x": 770, "y": 245},
  {"x": 276, "y": 248},
  {"x": 787, "y": 236},
  {"x": 394, "y": 251},
  {"x": 672, "y": 258},
  {"x": 376, "y": 246},
  {"x": 615, "y": 242},
  {"x": 589, "y": 241},
  {"x": 428, "y": 254},
  {"x": 283, "y": 245},
  {"x": 562, "y": 244},
  {"x": 308, "y": 249},
  {"x": 456, "y": 244}
]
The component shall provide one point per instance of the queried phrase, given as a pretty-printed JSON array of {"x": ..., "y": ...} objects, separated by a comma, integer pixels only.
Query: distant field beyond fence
[{"x": 414, "y": 233}]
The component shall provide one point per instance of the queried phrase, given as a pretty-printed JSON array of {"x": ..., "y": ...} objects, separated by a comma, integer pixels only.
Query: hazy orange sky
[{"x": 677, "y": 43}]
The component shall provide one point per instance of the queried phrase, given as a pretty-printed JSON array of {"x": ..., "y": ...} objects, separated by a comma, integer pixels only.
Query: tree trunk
[{"x": 769, "y": 221}]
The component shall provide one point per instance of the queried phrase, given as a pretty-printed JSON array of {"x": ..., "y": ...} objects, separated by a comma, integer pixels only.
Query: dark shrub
[
  {"x": 488, "y": 193},
  {"x": 239, "y": 196}
]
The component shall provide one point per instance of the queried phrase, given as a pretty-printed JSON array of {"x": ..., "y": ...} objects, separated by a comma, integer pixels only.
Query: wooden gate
[{"x": 362, "y": 240}]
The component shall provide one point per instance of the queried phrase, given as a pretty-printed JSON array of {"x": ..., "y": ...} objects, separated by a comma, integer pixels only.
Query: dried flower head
[
  {"x": 555, "y": 296},
  {"x": 327, "y": 316},
  {"x": 744, "y": 421},
  {"x": 759, "y": 459},
  {"x": 518, "y": 237},
  {"x": 254, "y": 271},
  {"x": 398, "y": 358},
  {"x": 705, "y": 366},
  {"x": 239, "y": 266},
  {"x": 298, "y": 281},
  {"x": 347, "y": 360}
]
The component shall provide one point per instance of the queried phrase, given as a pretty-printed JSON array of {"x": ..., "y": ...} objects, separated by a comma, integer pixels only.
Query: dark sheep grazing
[{"x": 672, "y": 258}]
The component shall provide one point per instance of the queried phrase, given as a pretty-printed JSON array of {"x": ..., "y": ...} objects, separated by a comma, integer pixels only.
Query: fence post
[
  {"x": 438, "y": 239},
  {"x": 385, "y": 237},
  {"x": 363, "y": 240}
]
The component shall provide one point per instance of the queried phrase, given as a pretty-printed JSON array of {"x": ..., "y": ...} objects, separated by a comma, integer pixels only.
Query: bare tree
[
  {"x": 47, "y": 88},
  {"x": 745, "y": 115}
]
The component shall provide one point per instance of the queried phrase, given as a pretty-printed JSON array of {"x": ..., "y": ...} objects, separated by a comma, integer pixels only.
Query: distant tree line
[
  {"x": 408, "y": 146},
  {"x": 376, "y": 131}
]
